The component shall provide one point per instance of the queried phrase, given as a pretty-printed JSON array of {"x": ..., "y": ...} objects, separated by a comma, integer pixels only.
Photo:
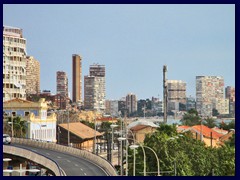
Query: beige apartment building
[{"x": 32, "y": 75}]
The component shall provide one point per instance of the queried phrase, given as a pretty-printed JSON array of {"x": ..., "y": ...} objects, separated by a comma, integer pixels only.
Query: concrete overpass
[{"x": 62, "y": 160}]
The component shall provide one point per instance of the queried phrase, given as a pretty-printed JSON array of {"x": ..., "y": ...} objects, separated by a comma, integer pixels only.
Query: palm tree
[{"x": 19, "y": 126}]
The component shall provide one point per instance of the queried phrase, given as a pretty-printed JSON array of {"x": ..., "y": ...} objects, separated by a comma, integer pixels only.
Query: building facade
[
  {"x": 209, "y": 91},
  {"x": 111, "y": 108},
  {"x": 94, "y": 88},
  {"x": 14, "y": 63},
  {"x": 176, "y": 94},
  {"x": 76, "y": 78},
  {"x": 62, "y": 83},
  {"x": 40, "y": 126},
  {"x": 157, "y": 105},
  {"x": 230, "y": 95},
  {"x": 190, "y": 103},
  {"x": 32, "y": 75},
  {"x": 131, "y": 103}
]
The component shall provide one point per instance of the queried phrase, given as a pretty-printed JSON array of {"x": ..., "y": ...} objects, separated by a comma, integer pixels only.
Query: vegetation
[
  {"x": 19, "y": 126},
  {"x": 186, "y": 155}
]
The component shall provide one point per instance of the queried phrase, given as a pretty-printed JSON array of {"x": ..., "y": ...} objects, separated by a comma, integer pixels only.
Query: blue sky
[{"x": 132, "y": 41}]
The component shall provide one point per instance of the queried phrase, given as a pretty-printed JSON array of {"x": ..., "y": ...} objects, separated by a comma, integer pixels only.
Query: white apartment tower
[
  {"x": 209, "y": 95},
  {"x": 94, "y": 88},
  {"x": 14, "y": 63}
]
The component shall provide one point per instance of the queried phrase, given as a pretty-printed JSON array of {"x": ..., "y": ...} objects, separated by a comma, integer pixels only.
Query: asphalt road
[{"x": 72, "y": 165}]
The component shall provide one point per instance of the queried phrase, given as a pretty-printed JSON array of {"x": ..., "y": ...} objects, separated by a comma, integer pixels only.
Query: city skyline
[{"x": 132, "y": 41}]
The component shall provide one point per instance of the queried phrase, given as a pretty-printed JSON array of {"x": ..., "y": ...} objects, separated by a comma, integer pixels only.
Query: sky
[{"x": 133, "y": 41}]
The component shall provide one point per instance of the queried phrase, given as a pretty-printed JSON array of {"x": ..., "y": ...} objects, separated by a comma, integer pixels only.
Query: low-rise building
[{"x": 39, "y": 125}]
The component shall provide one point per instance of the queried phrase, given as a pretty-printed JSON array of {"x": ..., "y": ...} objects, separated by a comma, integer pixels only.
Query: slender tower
[
  {"x": 76, "y": 78},
  {"x": 165, "y": 94}
]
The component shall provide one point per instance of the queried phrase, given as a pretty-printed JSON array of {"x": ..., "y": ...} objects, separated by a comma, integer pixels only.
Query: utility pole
[{"x": 165, "y": 94}]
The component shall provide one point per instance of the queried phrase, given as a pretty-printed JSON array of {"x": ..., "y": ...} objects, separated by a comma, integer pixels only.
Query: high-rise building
[
  {"x": 208, "y": 89},
  {"x": 157, "y": 105},
  {"x": 94, "y": 88},
  {"x": 131, "y": 103},
  {"x": 176, "y": 94},
  {"x": 111, "y": 107},
  {"x": 14, "y": 63},
  {"x": 62, "y": 83},
  {"x": 76, "y": 78},
  {"x": 230, "y": 94},
  {"x": 190, "y": 103},
  {"x": 32, "y": 75}
]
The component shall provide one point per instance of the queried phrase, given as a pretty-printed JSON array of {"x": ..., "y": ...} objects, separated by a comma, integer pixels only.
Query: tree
[
  {"x": 19, "y": 126},
  {"x": 209, "y": 122},
  {"x": 191, "y": 118}
]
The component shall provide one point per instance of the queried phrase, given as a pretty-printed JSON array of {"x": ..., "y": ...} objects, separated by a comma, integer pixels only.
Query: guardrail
[
  {"x": 103, "y": 163},
  {"x": 33, "y": 156}
]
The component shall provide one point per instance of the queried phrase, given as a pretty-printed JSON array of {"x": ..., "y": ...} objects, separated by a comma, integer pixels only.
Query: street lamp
[
  {"x": 134, "y": 146},
  {"x": 112, "y": 126},
  {"x": 121, "y": 139}
]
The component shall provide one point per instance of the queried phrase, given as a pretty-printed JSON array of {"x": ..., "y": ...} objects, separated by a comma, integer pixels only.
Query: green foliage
[
  {"x": 191, "y": 118},
  {"x": 228, "y": 126},
  {"x": 191, "y": 156},
  {"x": 209, "y": 122},
  {"x": 89, "y": 124},
  {"x": 19, "y": 126}
]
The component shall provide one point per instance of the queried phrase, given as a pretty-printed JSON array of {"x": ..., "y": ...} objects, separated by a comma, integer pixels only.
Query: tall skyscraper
[
  {"x": 76, "y": 78},
  {"x": 94, "y": 88},
  {"x": 14, "y": 63},
  {"x": 32, "y": 75},
  {"x": 209, "y": 91},
  {"x": 131, "y": 103},
  {"x": 62, "y": 83},
  {"x": 176, "y": 94}
]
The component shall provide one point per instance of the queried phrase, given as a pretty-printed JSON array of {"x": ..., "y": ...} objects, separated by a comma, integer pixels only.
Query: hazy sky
[{"x": 132, "y": 41}]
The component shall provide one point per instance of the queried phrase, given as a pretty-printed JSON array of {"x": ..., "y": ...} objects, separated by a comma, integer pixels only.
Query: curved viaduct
[{"x": 62, "y": 160}]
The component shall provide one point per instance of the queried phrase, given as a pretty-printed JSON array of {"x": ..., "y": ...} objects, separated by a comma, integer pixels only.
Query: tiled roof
[
  {"x": 140, "y": 124},
  {"x": 221, "y": 131},
  {"x": 206, "y": 131},
  {"x": 81, "y": 130},
  {"x": 182, "y": 128}
]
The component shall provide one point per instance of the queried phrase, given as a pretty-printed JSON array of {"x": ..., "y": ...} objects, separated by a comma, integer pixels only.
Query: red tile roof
[{"x": 206, "y": 131}]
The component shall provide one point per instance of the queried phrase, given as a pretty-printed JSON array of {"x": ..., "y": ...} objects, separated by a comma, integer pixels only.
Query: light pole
[
  {"x": 112, "y": 126},
  {"x": 134, "y": 146},
  {"x": 68, "y": 128},
  {"x": 121, "y": 139}
]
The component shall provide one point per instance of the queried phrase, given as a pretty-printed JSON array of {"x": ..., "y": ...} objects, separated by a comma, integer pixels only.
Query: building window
[{"x": 26, "y": 113}]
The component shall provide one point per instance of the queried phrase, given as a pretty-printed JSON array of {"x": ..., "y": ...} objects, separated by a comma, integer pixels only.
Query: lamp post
[
  {"x": 134, "y": 146},
  {"x": 112, "y": 126},
  {"x": 68, "y": 127}
]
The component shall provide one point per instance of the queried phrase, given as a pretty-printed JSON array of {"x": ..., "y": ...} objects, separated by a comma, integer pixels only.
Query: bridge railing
[{"x": 101, "y": 162}]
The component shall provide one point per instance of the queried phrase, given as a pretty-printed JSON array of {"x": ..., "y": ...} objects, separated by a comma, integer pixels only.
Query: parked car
[{"x": 6, "y": 139}]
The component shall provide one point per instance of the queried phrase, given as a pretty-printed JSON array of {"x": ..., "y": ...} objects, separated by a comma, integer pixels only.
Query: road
[{"x": 72, "y": 165}]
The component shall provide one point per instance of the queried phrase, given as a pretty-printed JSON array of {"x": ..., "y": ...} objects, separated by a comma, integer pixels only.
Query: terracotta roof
[
  {"x": 206, "y": 131},
  {"x": 182, "y": 128},
  {"x": 227, "y": 136},
  {"x": 106, "y": 119},
  {"x": 81, "y": 130},
  {"x": 221, "y": 131}
]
